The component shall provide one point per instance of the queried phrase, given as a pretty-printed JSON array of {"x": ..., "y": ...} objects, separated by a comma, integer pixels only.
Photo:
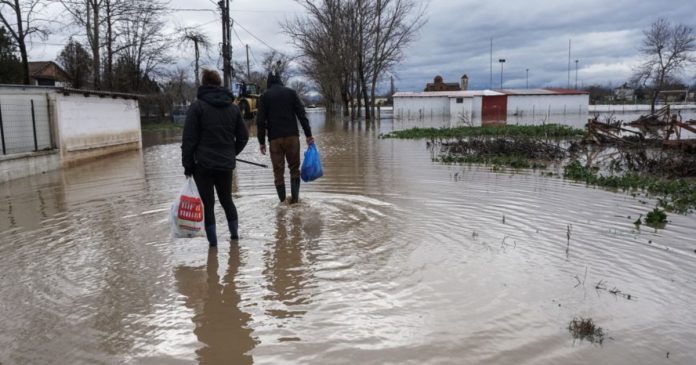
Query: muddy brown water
[{"x": 388, "y": 259}]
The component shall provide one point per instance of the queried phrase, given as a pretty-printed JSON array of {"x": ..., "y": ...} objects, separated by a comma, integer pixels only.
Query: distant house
[
  {"x": 48, "y": 73},
  {"x": 483, "y": 107},
  {"x": 439, "y": 85},
  {"x": 625, "y": 93}
]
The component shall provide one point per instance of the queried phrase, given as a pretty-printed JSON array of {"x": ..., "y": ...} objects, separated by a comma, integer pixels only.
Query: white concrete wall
[
  {"x": 461, "y": 111},
  {"x": 95, "y": 123},
  {"x": 547, "y": 105},
  {"x": 421, "y": 107},
  {"x": 26, "y": 164},
  {"x": 477, "y": 108},
  {"x": 621, "y": 108}
]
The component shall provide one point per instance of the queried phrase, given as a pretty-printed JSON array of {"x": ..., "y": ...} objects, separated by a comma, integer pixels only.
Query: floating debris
[
  {"x": 584, "y": 329},
  {"x": 602, "y": 285}
]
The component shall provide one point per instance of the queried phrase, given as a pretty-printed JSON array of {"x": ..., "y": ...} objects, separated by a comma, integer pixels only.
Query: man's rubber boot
[
  {"x": 211, "y": 234},
  {"x": 234, "y": 226},
  {"x": 295, "y": 190},
  {"x": 281, "y": 192}
]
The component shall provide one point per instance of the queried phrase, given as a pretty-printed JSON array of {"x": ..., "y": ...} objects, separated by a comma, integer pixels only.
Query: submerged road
[{"x": 389, "y": 258}]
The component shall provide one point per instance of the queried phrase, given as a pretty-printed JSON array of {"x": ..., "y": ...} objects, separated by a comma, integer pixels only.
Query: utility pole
[
  {"x": 248, "y": 68},
  {"x": 490, "y": 85},
  {"x": 226, "y": 56},
  {"x": 502, "y": 61},
  {"x": 233, "y": 72},
  {"x": 527, "y": 78},
  {"x": 569, "y": 42},
  {"x": 576, "y": 74}
]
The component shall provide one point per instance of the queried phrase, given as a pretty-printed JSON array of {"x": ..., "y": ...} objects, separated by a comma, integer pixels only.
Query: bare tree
[
  {"x": 396, "y": 25},
  {"x": 115, "y": 12},
  {"x": 278, "y": 62},
  {"x": 302, "y": 89},
  {"x": 19, "y": 17},
  {"x": 178, "y": 88},
  {"x": 77, "y": 63},
  {"x": 348, "y": 46},
  {"x": 145, "y": 44},
  {"x": 87, "y": 14},
  {"x": 199, "y": 40},
  {"x": 668, "y": 48},
  {"x": 323, "y": 39}
]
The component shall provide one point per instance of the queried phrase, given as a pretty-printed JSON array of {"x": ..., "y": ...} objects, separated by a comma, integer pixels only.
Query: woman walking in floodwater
[{"x": 214, "y": 134}]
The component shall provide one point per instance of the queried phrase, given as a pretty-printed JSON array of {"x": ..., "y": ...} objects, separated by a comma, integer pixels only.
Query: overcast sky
[{"x": 528, "y": 34}]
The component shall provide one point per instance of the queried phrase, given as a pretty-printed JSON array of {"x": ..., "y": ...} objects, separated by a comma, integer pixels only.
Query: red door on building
[{"x": 494, "y": 110}]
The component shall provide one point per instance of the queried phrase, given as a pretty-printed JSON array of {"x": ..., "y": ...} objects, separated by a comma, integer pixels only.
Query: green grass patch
[
  {"x": 546, "y": 131},
  {"x": 656, "y": 217},
  {"x": 678, "y": 195}
]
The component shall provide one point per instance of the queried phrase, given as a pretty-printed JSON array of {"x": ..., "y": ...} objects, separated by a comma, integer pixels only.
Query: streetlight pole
[
  {"x": 502, "y": 61},
  {"x": 527, "y": 78},
  {"x": 576, "y": 74}
]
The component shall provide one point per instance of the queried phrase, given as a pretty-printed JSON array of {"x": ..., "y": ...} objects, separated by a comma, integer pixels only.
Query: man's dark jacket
[
  {"x": 214, "y": 132},
  {"x": 278, "y": 111}
]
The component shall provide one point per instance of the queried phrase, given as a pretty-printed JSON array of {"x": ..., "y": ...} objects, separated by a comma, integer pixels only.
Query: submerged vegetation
[
  {"x": 540, "y": 131},
  {"x": 656, "y": 217},
  {"x": 585, "y": 329},
  {"x": 678, "y": 195},
  {"x": 633, "y": 166}
]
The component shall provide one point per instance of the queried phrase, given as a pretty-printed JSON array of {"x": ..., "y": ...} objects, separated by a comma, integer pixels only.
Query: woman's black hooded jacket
[{"x": 214, "y": 132}]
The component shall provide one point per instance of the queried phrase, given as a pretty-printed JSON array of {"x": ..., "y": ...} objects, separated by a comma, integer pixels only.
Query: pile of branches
[{"x": 657, "y": 128}]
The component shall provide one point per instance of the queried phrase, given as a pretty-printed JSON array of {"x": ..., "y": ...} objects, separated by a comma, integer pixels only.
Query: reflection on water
[
  {"x": 285, "y": 271},
  {"x": 389, "y": 258},
  {"x": 220, "y": 324}
]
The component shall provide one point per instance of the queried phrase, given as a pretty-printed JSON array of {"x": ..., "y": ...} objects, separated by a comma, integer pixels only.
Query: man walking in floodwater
[
  {"x": 214, "y": 134},
  {"x": 278, "y": 112}
]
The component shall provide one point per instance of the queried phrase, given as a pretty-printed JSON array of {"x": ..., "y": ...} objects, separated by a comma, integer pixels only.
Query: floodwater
[{"x": 389, "y": 258}]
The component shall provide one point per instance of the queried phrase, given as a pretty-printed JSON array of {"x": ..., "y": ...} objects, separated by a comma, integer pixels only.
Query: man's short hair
[{"x": 210, "y": 77}]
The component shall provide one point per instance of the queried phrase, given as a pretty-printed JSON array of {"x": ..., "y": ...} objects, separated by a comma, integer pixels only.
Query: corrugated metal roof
[
  {"x": 526, "y": 91},
  {"x": 548, "y": 91},
  {"x": 449, "y": 94}
]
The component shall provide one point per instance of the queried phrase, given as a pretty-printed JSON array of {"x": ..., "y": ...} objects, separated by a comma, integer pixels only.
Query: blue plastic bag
[{"x": 311, "y": 166}]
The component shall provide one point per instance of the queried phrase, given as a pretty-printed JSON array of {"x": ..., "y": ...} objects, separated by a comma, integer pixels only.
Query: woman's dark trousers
[{"x": 208, "y": 180}]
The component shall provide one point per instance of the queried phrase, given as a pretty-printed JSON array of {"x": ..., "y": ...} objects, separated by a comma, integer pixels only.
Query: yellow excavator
[{"x": 247, "y": 99}]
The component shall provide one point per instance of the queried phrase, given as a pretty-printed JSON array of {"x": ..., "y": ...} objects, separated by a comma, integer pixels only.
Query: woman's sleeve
[{"x": 189, "y": 140}]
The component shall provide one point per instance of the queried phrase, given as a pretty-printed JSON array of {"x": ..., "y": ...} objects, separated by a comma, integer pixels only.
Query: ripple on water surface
[{"x": 389, "y": 258}]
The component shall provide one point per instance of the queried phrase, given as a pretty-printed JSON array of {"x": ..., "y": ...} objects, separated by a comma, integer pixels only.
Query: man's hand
[
  {"x": 310, "y": 140},
  {"x": 262, "y": 149}
]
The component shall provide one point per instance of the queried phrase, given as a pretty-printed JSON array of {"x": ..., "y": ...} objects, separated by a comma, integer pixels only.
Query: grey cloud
[
  {"x": 533, "y": 34},
  {"x": 528, "y": 34}
]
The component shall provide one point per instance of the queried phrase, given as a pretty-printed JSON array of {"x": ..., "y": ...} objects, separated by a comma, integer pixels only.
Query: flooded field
[{"x": 389, "y": 258}]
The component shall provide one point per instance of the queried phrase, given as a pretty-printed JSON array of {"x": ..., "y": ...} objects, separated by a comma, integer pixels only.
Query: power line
[
  {"x": 258, "y": 39},
  {"x": 231, "y": 10},
  {"x": 238, "y": 37},
  {"x": 205, "y": 10},
  {"x": 256, "y": 63}
]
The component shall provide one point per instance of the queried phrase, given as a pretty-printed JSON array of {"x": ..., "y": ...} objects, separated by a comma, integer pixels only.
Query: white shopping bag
[{"x": 186, "y": 215}]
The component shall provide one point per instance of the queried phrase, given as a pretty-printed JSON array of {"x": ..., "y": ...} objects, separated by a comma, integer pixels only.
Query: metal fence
[{"x": 24, "y": 124}]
